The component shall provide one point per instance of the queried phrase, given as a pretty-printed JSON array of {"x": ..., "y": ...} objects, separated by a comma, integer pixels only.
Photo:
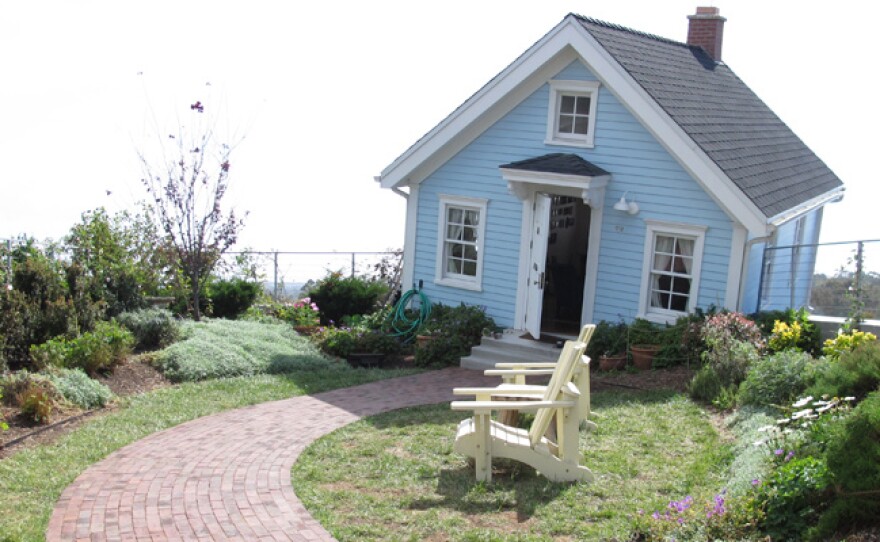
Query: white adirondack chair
[
  {"x": 516, "y": 373},
  {"x": 482, "y": 438}
]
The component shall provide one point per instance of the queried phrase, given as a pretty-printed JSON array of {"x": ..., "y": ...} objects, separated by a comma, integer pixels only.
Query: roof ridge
[{"x": 614, "y": 26}]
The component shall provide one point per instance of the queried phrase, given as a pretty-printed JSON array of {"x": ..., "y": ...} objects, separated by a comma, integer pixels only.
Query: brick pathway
[{"x": 227, "y": 476}]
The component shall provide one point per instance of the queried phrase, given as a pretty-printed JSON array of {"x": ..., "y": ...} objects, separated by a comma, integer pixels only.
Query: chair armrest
[
  {"x": 526, "y": 365},
  {"x": 504, "y": 389},
  {"x": 509, "y": 405},
  {"x": 516, "y": 372}
]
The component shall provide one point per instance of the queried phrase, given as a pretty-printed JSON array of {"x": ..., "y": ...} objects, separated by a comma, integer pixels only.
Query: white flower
[
  {"x": 801, "y": 413},
  {"x": 803, "y": 401}
]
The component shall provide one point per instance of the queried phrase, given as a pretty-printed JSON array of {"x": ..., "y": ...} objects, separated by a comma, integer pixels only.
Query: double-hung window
[
  {"x": 671, "y": 275},
  {"x": 571, "y": 118},
  {"x": 461, "y": 234}
]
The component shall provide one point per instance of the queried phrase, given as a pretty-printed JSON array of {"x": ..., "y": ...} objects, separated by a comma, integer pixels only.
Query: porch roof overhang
[{"x": 560, "y": 173}]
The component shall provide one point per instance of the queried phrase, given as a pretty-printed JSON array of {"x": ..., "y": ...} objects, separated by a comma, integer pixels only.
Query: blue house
[{"x": 610, "y": 174}]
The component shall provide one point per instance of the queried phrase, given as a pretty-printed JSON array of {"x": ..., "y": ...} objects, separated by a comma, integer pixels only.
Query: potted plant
[
  {"x": 302, "y": 313},
  {"x": 644, "y": 342},
  {"x": 608, "y": 345},
  {"x": 426, "y": 334}
]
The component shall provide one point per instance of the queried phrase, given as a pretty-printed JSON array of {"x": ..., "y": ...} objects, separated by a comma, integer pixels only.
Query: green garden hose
[{"x": 401, "y": 323}]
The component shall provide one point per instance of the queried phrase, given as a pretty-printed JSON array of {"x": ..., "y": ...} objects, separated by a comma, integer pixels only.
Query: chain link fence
[
  {"x": 845, "y": 282},
  {"x": 284, "y": 274}
]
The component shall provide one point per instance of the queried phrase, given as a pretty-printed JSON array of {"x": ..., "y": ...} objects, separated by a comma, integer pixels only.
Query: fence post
[
  {"x": 761, "y": 279},
  {"x": 275, "y": 276},
  {"x": 857, "y": 285}
]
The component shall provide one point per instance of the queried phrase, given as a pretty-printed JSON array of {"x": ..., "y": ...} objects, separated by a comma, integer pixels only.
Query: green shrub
[
  {"x": 443, "y": 351},
  {"x": 52, "y": 353},
  {"x": 101, "y": 349},
  {"x": 231, "y": 298},
  {"x": 777, "y": 379},
  {"x": 608, "y": 339},
  {"x": 705, "y": 386},
  {"x": 339, "y": 296},
  {"x": 3, "y": 425},
  {"x": 792, "y": 497},
  {"x": 856, "y": 373},
  {"x": 152, "y": 328},
  {"x": 854, "y": 463},
  {"x": 341, "y": 342},
  {"x": 224, "y": 348},
  {"x": 79, "y": 389},
  {"x": 466, "y": 322}
]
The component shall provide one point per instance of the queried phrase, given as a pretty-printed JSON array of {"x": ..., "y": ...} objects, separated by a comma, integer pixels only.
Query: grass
[
  {"x": 395, "y": 477},
  {"x": 32, "y": 480}
]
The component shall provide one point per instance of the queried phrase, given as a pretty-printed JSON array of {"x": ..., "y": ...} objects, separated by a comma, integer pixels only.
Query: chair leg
[{"x": 483, "y": 452}]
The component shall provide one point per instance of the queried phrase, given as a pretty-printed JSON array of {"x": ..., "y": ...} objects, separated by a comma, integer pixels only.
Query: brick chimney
[{"x": 706, "y": 30}]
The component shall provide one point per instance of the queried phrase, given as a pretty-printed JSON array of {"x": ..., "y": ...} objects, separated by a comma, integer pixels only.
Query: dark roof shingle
[
  {"x": 568, "y": 164},
  {"x": 735, "y": 128}
]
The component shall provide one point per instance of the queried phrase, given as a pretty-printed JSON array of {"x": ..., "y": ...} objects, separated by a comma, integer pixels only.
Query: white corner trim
[
  {"x": 698, "y": 232},
  {"x": 592, "y": 270},
  {"x": 460, "y": 281},
  {"x": 735, "y": 267},
  {"x": 576, "y": 88},
  {"x": 409, "y": 238}
]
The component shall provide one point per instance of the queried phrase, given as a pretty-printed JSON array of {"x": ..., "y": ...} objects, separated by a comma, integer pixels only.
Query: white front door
[{"x": 537, "y": 262}]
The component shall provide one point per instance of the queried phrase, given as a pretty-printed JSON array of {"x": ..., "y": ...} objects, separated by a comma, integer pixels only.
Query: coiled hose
[{"x": 404, "y": 326}]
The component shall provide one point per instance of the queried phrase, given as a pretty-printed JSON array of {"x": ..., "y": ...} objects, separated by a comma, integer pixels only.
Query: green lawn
[{"x": 395, "y": 477}]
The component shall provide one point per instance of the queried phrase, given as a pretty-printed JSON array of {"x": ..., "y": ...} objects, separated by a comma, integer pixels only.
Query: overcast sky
[{"x": 329, "y": 93}]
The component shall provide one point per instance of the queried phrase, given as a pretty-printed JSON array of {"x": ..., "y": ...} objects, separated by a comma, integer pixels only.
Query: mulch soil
[{"x": 132, "y": 377}]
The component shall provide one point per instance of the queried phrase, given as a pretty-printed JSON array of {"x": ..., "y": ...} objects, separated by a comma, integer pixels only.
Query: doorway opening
[{"x": 568, "y": 237}]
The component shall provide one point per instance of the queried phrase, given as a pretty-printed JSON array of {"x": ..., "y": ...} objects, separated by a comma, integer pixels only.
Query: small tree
[{"x": 187, "y": 185}]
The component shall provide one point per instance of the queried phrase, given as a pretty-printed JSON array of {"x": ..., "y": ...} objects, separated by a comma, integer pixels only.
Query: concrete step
[{"x": 509, "y": 348}]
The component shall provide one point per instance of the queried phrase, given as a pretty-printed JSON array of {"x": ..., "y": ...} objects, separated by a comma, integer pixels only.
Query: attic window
[{"x": 571, "y": 114}]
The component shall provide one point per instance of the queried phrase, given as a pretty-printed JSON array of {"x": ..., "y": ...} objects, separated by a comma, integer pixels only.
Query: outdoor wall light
[{"x": 630, "y": 207}]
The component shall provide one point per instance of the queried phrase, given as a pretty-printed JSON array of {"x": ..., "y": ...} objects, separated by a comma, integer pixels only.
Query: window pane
[
  {"x": 567, "y": 104},
  {"x": 681, "y": 285},
  {"x": 469, "y": 234},
  {"x": 470, "y": 269},
  {"x": 580, "y": 125},
  {"x": 454, "y": 215},
  {"x": 583, "y": 105},
  {"x": 454, "y": 233},
  {"x": 472, "y": 218},
  {"x": 456, "y": 250},
  {"x": 679, "y": 303},
  {"x": 664, "y": 244},
  {"x": 566, "y": 124},
  {"x": 470, "y": 252}
]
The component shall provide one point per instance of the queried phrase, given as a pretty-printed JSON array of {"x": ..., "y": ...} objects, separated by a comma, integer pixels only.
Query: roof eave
[{"x": 828, "y": 197}]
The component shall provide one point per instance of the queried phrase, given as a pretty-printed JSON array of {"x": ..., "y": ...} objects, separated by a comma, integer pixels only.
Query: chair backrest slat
[{"x": 563, "y": 374}]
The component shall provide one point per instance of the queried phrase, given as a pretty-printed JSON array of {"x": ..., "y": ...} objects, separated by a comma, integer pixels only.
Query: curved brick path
[{"x": 227, "y": 476}]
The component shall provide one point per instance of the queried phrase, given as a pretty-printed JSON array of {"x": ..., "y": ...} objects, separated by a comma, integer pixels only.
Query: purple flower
[
  {"x": 756, "y": 482},
  {"x": 789, "y": 456},
  {"x": 779, "y": 451},
  {"x": 656, "y": 515}
]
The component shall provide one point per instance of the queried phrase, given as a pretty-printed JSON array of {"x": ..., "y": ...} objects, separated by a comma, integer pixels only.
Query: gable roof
[
  {"x": 745, "y": 158},
  {"x": 735, "y": 128}
]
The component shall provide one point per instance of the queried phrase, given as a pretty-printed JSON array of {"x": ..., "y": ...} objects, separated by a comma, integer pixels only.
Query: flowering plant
[
  {"x": 785, "y": 336},
  {"x": 720, "y": 517},
  {"x": 845, "y": 342},
  {"x": 302, "y": 312}
]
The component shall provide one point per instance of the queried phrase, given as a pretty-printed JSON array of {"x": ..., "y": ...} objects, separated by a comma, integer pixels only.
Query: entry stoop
[{"x": 511, "y": 347}]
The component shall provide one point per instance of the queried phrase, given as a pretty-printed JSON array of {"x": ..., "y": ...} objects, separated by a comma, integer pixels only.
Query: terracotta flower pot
[
  {"x": 424, "y": 340},
  {"x": 643, "y": 355},
  {"x": 612, "y": 363},
  {"x": 306, "y": 330}
]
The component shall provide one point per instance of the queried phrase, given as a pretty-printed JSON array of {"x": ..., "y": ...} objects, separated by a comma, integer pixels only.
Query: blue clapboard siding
[
  {"x": 787, "y": 267},
  {"x": 638, "y": 164}
]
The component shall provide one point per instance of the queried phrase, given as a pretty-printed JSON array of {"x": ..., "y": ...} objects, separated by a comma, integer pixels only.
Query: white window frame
[
  {"x": 654, "y": 228},
  {"x": 558, "y": 89},
  {"x": 454, "y": 280}
]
